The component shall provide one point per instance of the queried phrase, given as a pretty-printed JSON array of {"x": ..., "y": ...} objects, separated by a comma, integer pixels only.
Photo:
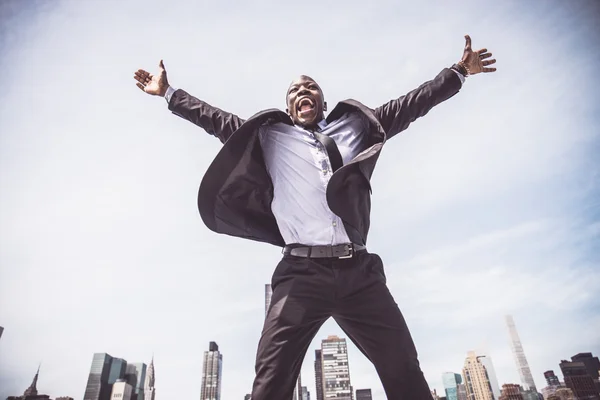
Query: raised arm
[
  {"x": 215, "y": 121},
  {"x": 398, "y": 114}
]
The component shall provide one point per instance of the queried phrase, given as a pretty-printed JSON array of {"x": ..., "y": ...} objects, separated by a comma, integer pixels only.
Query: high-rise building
[
  {"x": 476, "y": 379},
  {"x": 118, "y": 368},
  {"x": 450, "y": 380},
  {"x": 462, "y": 392},
  {"x": 305, "y": 394},
  {"x": 97, "y": 387},
  {"x": 364, "y": 394},
  {"x": 135, "y": 374},
  {"x": 121, "y": 390},
  {"x": 31, "y": 393},
  {"x": 592, "y": 364},
  {"x": 149, "y": 390},
  {"x": 248, "y": 397},
  {"x": 336, "y": 372},
  {"x": 486, "y": 360},
  {"x": 434, "y": 395},
  {"x": 519, "y": 356},
  {"x": 579, "y": 380},
  {"x": 511, "y": 391},
  {"x": 64, "y": 398},
  {"x": 319, "y": 374},
  {"x": 211, "y": 373},
  {"x": 268, "y": 295},
  {"x": 551, "y": 379}
]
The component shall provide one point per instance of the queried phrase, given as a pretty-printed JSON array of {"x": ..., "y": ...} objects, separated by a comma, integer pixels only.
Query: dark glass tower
[{"x": 97, "y": 387}]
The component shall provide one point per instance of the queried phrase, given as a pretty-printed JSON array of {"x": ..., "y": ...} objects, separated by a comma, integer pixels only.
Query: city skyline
[{"x": 486, "y": 206}]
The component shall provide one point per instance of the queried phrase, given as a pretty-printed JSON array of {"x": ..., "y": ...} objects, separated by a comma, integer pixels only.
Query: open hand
[
  {"x": 476, "y": 61},
  {"x": 155, "y": 85}
]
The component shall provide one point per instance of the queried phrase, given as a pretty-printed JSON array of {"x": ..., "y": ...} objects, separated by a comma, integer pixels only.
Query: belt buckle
[{"x": 350, "y": 253}]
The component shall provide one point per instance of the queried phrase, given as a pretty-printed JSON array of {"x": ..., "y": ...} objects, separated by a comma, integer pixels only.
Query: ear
[
  {"x": 324, "y": 106},
  {"x": 287, "y": 111}
]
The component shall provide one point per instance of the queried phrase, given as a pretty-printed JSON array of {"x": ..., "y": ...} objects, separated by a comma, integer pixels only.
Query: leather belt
[{"x": 345, "y": 250}]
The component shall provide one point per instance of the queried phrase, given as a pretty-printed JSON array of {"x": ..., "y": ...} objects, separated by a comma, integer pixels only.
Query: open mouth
[{"x": 305, "y": 106}]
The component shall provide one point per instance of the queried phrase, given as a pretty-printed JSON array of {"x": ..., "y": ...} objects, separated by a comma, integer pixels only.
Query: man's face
[{"x": 305, "y": 103}]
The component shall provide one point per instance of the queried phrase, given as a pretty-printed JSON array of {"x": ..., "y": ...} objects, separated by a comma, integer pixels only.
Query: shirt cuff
[
  {"x": 460, "y": 76},
  {"x": 169, "y": 93}
]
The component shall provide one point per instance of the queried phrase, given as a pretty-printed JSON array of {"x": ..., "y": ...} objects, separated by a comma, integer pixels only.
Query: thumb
[
  {"x": 467, "y": 42},
  {"x": 161, "y": 65}
]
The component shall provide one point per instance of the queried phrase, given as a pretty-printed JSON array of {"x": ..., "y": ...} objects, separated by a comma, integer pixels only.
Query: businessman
[{"x": 300, "y": 180}]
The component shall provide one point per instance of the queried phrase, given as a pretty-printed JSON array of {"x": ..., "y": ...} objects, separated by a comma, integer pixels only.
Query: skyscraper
[
  {"x": 136, "y": 376},
  {"x": 121, "y": 390},
  {"x": 118, "y": 367},
  {"x": 268, "y": 295},
  {"x": 486, "y": 360},
  {"x": 336, "y": 372},
  {"x": 305, "y": 394},
  {"x": 551, "y": 379},
  {"x": 97, "y": 387},
  {"x": 149, "y": 390},
  {"x": 319, "y": 374},
  {"x": 519, "y": 355},
  {"x": 579, "y": 380},
  {"x": 31, "y": 393},
  {"x": 364, "y": 394},
  {"x": 450, "y": 380},
  {"x": 476, "y": 379},
  {"x": 211, "y": 373}
]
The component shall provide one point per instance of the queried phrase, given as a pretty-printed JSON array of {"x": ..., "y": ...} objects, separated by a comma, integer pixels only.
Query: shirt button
[{"x": 334, "y": 223}]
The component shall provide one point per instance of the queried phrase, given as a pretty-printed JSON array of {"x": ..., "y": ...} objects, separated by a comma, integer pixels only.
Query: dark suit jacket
[{"x": 236, "y": 192}]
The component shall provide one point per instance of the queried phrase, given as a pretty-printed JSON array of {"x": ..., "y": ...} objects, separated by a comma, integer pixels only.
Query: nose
[{"x": 303, "y": 91}]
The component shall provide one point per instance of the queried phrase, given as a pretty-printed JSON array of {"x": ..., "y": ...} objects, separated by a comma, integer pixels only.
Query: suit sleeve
[
  {"x": 396, "y": 115},
  {"x": 213, "y": 120}
]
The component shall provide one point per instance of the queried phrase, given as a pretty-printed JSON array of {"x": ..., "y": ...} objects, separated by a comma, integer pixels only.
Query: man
[{"x": 301, "y": 181}]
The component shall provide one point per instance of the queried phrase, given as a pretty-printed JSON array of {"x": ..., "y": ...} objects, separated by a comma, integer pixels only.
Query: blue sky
[{"x": 486, "y": 206}]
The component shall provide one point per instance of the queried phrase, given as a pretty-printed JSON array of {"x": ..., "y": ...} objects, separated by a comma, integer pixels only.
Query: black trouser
[{"x": 306, "y": 292}]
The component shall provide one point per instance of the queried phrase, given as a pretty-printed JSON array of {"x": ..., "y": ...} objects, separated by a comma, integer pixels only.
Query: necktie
[{"x": 332, "y": 151}]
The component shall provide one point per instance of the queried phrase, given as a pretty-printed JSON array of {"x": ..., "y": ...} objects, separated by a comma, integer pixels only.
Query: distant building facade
[
  {"x": 562, "y": 394},
  {"x": 476, "y": 379},
  {"x": 364, "y": 394},
  {"x": 450, "y": 380},
  {"x": 149, "y": 390},
  {"x": 31, "y": 393},
  {"x": 511, "y": 391},
  {"x": 319, "y": 374},
  {"x": 106, "y": 371},
  {"x": 579, "y": 378},
  {"x": 121, "y": 390},
  {"x": 336, "y": 371},
  {"x": 519, "y": 356},
  {"x": 212, "y": 369}
]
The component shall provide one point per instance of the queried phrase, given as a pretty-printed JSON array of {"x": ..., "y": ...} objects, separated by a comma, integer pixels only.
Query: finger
[
  {"x": 481, "y": 51},
  {"x": 161, "y": 65},
  {"x": 140, "y": 86},
  {"x": 485, "y": 55},
  {"x": 489, "y": 62},
  {"x": 142, "y": 74},
  {"x": 489, "y": 69},
  {"x": 467, "y": 42}
]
